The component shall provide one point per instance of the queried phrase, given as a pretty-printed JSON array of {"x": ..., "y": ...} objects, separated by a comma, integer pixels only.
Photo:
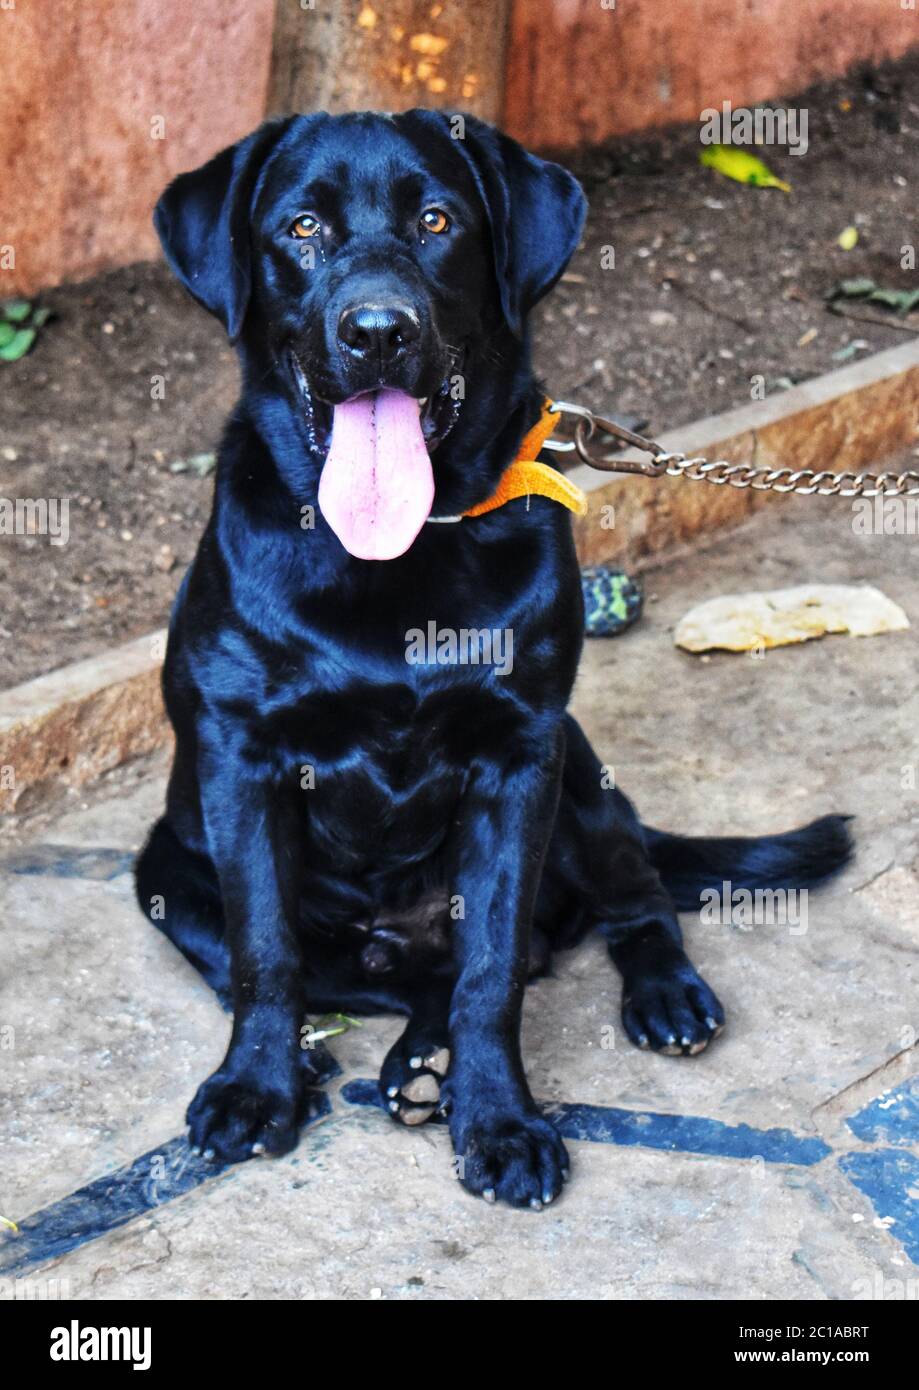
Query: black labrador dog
[{"x": 349, "y": 827}]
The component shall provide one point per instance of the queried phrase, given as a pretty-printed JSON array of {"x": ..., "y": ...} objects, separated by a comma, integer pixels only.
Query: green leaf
[
  {"x": 16, "y": 310},
  {"x": 202, "y": 464},
  {"x": 901, "y": 300},
  {"x": 852, "y": 289},
  {"x": 41, "y": 316},
  {"x": 740, "y": 165},
  {"x": 18, "y": 345},
  {"x": 892, "y": 298},
  {"x": 845, "y": 354},
  {"x": 7, "y": 333},
  {"x": 332, "y": 1026}
]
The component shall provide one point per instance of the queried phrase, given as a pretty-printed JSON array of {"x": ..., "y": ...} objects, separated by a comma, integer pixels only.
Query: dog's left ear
[
  {"x": 202, "y": 220},
  {"x": 536, "y": 210}
]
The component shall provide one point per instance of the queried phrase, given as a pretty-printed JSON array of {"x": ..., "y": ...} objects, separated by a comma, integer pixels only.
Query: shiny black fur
[{"x": 345, "y": 830}]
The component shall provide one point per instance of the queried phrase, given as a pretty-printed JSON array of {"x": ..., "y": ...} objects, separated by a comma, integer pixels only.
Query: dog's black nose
[{"x": 378, "y": 331}]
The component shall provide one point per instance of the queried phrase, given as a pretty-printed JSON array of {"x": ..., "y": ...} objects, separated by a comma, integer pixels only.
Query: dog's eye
[
  {"x": 304, "y": 226},
  {"x": 433, "y": 220}
]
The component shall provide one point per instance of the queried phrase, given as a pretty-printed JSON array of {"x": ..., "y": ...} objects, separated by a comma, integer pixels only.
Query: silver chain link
[{"x": 807, "y": 482}]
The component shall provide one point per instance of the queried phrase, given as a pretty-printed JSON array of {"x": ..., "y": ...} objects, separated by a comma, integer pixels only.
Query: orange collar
[{"x": 526, "y": 476}]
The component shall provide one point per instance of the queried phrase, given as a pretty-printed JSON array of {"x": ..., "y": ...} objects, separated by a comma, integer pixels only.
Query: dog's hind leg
[
  {"x": 177, "y": 889},
  {"x": 416, "y": 1064},
  {"x": 599, "y": 875}
]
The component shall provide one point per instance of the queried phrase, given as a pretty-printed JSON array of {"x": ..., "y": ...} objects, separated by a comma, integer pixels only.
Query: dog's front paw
[
  {"x": 671, "y": 1009},
  {"x": 233, "y": 1118},
  {"x": 516, "y": 1157}
]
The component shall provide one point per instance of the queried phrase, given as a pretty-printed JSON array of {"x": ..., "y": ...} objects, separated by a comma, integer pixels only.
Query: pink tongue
[{"x": 377, "y": 486}]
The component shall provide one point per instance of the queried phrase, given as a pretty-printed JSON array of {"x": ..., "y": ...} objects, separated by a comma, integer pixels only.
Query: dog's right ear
[
  {"x": 535, "y": 208},
  {"x": 202, "y": 220}
]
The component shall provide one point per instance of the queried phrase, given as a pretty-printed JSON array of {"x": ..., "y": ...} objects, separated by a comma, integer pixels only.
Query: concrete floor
[{"x": 112, "y": 1031}]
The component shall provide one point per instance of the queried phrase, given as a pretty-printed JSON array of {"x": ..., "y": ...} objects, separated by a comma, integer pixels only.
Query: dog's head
[{"x": 387, "y": 265}]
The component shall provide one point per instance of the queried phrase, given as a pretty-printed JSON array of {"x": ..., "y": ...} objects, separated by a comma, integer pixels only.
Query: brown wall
[
  {"x": 578, "y": 72},
  {"x": 80, "y": 82}
]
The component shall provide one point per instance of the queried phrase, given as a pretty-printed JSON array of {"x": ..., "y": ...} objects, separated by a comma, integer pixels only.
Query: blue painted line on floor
[
  {"x": 68, "y": 861},
  {"x": 889, "y": 1178},
  {"x": 602, "y": 1124},
  {"x": 685, "y": 1134},
  {"x": 102, "y": 1206},
  {"x": 891, "y": 1118}
]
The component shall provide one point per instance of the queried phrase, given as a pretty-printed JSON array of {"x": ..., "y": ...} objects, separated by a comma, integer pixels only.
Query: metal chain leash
[{"x": 805, "y": 481}]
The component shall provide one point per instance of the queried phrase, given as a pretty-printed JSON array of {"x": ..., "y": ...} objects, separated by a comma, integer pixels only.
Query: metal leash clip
[
  {"x": 586, "y": 427},
  {"x": 806, "y": 482}
]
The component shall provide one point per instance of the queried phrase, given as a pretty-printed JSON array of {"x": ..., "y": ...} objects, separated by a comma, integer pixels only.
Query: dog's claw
[{"x": 671, "y": 1009}]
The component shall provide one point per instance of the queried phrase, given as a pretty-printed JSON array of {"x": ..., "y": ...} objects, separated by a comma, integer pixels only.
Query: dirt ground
[{"x": 713, "y": 283}]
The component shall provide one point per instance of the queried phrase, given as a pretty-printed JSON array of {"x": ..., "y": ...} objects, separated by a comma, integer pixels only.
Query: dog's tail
[{"x": 795, "y": 859}]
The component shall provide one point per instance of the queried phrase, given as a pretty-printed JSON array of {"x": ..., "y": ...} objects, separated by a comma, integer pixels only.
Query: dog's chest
[{"x": 389, "y": 776}]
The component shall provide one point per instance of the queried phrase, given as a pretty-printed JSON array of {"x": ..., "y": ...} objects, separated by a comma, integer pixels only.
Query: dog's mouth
[
  {"x": 377, "y": 483},
  {"x": 437, "y": 414}
]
